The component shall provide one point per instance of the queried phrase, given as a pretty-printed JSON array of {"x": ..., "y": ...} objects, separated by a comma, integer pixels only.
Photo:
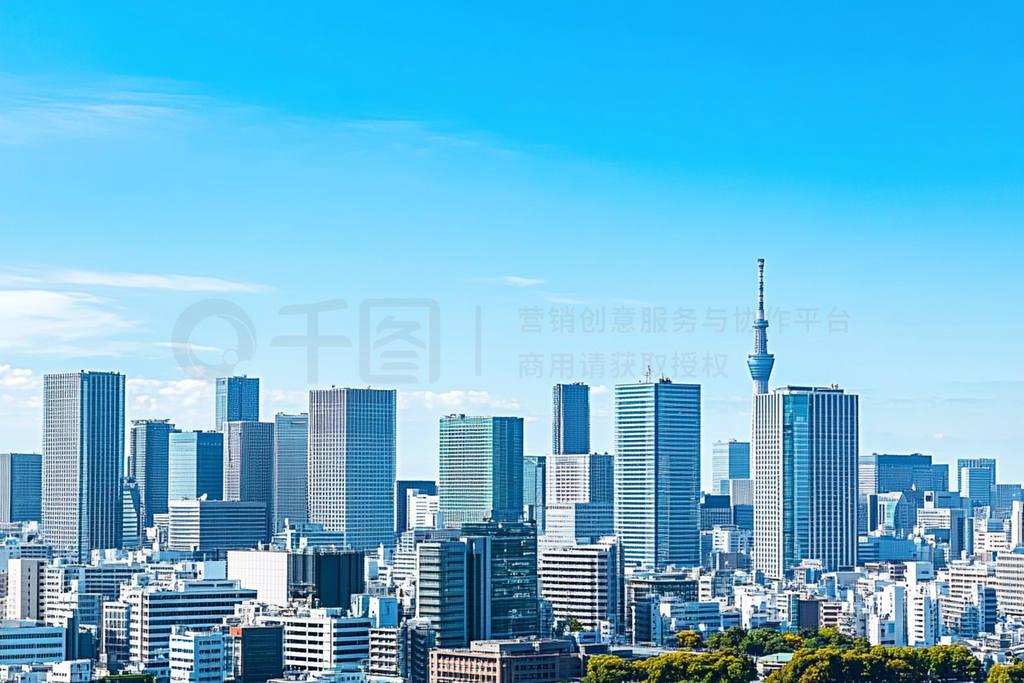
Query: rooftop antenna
[{"x": 647, "y": 375}]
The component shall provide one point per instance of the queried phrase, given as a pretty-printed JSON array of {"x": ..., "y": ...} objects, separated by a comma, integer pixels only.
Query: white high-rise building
[
  {"x": 83, "y": 462},
  {"x": 25, "y": 580},
  {"x": 804, "y": 448},
  {"x": 323, "y": 639},
  {"x": 585, "y": 582},
  {"x": 351, "y": 478},
  {"x": 422, "y": 511},
  {"x": 580, "y": 499},
  {"x": 196, "y": 656},
  {"x": 657, "y": 473}
]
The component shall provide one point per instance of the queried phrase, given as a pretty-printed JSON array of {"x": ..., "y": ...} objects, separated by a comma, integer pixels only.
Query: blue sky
[{"x": 517, "y": 156}]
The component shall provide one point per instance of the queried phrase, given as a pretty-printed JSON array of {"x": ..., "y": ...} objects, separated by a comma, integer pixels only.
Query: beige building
[{"x": 507, "y": 661}]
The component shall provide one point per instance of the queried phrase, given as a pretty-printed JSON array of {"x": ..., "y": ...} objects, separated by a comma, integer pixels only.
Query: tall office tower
[
  {"x": 580, "y": 499},
  {"x": 403, "y": 489},
  {"x": 976, "y": 485},
  {"x": 21, "y": 487},
  {"x": 535, "y": 489},
  {"x": 896, "y": 473},
  {"x": 351, "y": 479},
  {"x": 481, "y": 469},
  {"x": 25, "y": 581},
  {"x": 760, "y": 362},
  {"x": 442, "y": 590},
  {"x": 974, "y": 463},
  {"x": 150, "y": 448},
  {"x": 195, "y": 466},
  {"x": 83, "y": 461},
  {"x": 132, "y": 529},
  {"x": 729, "y": 460},
  {"x": 657, "y": 473},
  {"x": 504, "y": 560},
  {"x": 570, "y": 419},
  {"x": 940, "y": 477},
  {"x": 238, "y": 398},
  {"x": 291, "y": 440},
  {"x": 804, "y": 455},
  {"x": 249, "y": 465}
]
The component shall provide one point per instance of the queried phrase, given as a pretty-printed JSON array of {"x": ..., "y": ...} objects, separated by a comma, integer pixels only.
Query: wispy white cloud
[
  {"x": 185, "y": 283},
  {"x": 42, "y": 321},
  {"x": 18, "y": 378},
  {"x": 454, "y": 400},
  {"x": 187, "y": 402},
  {"x": 517, "y": 281}
]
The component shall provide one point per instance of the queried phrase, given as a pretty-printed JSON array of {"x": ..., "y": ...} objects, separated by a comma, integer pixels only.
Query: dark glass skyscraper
[
  {"x": 570, "y": 419},
  {"x": 150, "y": 446},
  {"x": 291, "y": 440},
  {"x": 195, "y": 466},
  {"x": 238, "y": 398},
  {"x": 535, "y": 490},
  {"x": 21, "y": 487},
  {"x": 249, "y": 464},
  {"x": 83, "y": 462}
]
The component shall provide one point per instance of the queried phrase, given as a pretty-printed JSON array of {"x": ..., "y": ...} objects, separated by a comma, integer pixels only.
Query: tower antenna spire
[{"x": 760, "y": 362}]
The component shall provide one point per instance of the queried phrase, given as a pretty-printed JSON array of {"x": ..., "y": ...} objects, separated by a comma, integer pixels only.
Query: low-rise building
[{"x": 507, "y": 661}]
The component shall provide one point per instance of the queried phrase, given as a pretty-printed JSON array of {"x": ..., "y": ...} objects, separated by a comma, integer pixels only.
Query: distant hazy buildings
[
  {"x": 291, "y": 437},
  {"x": 351, "y": 479},
  {"x": 729, "y": 460},
  {"x": 150, "y": 452},
  {"x": 195, "y": 465},
  {"x": 238, "y": 398},
  {"x": 83, "y": 461},
  {"x": 657, "y": 473},
  {"x": 570, "y": 419},
  {"x": 804, "y": 452},
  {"x": 21, "y": 487},
  {"x": 249, "y": 464},
  {"x": 481, "y": 469}
]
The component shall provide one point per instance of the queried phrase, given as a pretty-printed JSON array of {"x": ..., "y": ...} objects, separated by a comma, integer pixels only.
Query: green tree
[
  {"x": 766, "y": 641},
  {"x": 731, "y": 637},
  {"x": 1006, "y": 673},
  {"x": 611, "y": 669},
  {"x": 689, "y": 640},
  {"x": 574, "y": 625}
]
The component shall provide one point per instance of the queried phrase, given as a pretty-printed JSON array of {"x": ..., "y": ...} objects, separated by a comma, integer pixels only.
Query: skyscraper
[
  {"x": 580, "y": 499},
  {"x": 150, "y": 450},
  {"x": 985, "y": 463},
  {"x": 503, "y": 585},
  {"x": 894, "y": 473},
  {"x": 729, "y": 460},
  {"x": 657, "y": 473},
  {"x": 21, "y": 487},
  {"x": 351, "y": 480},
  {"x": 976, "y": 485},
  {"x": 238, "y": 398},
  {"x": 804, "y": 453},
  {"x": 481, "y": 469},
  {"x": 760, "y": 362},
  {"x": 570, "y": 419},
  {"x": 83, "y": 461},
  {"x": 195, "y": 466},
  {"x": 291, "y": 441},
  {"x": 535, "y": 489},
  {"x": 249, "y": 465}
]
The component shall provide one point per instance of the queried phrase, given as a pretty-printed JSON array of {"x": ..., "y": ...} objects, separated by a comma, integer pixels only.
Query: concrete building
[
  {"x": 24, "y": 641},
  {"x": 279, "y": 577},
  {"x": 196, "y": 656},
  {"x": 586, "y": 582},
  {"x": 321, "y": 640},
  {"x": 508, "y": 661},
  {"x": 403, "y": 487},
  {"x": 25, "y": 581},
  {"x": 580, "y": 495}
]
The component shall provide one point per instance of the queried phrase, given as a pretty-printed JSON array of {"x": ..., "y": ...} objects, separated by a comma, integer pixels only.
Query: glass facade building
[
  {"x": 291, "y": 440},
  {"x": 804, "y": 453},
  {"x": 403, "y": 488},
  {"x": 249, "y": 465},
  {"x": 195, "y": 466},
  {"x": 83, "y": 462},
  {"x": 150, "y": 449},
  {"x": 535, "y": 490},
  {"x": 729, "y": 460},
  {"x": 893, "y": 473},
  {"x": 481, "y": 469},
  {"x": 351, "y": 479},
  {"x": 238, "y": 398},
  {"x": 570, "y": 419},
  {"x": 657, "y": 473},
  {"x": 21, "y": 487},
  {"x": 974, "y": 463},
  {"x": 503, "y": 562}
]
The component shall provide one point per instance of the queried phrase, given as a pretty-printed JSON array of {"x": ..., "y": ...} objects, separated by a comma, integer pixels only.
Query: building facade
[
  {"x": 585, "y": 582},
  {"x": 804, "y": 449},
  {"x": 238, "y": 398},
  {"x": 570, "y": 419},
  {"x": 729, "y": 460},
  {"x": 481, "y": 469},
  {"x": 291, "y": 441},
  {"x": 83, "y": 461},
  {"x": 215, "y": 525},
  {"x": 150, "y": 459},
  {"x": 657, "y": 473},
  {"x": 195, "y": 466},
  {"x": 21, "y": 487},
  {"x": 351, "y": 478},
  {"x": 249, "y": 465}
]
